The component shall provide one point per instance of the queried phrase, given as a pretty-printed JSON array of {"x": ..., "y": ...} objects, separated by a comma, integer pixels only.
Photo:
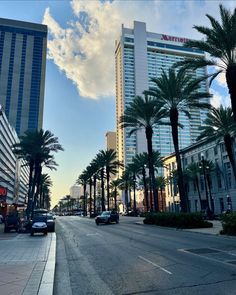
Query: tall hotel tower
[
  {"x": 22, "y": 73},
  {"x": 141, "y": 55}
]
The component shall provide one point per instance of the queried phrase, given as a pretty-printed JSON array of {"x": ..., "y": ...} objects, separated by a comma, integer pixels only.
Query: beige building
[{"x": 111, "y": 140}]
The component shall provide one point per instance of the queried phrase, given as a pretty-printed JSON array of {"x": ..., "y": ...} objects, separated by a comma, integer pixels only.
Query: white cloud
[
  {"x": 218, "y": 99},
  {"x": 85, "y": 53}
]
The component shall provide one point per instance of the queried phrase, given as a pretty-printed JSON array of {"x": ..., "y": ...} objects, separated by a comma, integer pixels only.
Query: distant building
[
  {"x": 217, "y": 185},
  {"x": 76, "y": 191},
  {"x": 139, "y": 56},
  {"x": 111, "y": 140},
  {"x": 13, "y": 174},
  {"x": 22, "y": 73}
]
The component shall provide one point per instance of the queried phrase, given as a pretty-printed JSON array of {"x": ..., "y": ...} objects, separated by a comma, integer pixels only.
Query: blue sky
[{"x": 80, "y": 76}]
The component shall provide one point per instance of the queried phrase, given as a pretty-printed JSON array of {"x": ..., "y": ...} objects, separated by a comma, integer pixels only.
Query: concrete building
[
  {"x": 13, "y": 174},
  {"x": 218, "y": 185},
  {"x": 76, "y": 191},
  {"x": 22, "y": 73},
  {"x": 139, "y": 56},
  {"x": 111, "y": 140}
]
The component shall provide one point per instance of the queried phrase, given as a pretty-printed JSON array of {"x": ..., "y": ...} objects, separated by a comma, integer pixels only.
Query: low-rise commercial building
[{"x": 214, "y": 184}]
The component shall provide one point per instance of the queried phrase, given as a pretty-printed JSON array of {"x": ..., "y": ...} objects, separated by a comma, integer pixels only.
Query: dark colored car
[
  {"x": 107, "y": 217},
  {"x": 39, "y": 225},
  {"x": 11, "y": 222},
  {"x": 50, "y": 222}
]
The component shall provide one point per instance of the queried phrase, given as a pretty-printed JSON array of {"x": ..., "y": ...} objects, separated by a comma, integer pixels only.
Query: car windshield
[
  {"x": 105, "y": 213},
  {"x": 39, "y": 219}
]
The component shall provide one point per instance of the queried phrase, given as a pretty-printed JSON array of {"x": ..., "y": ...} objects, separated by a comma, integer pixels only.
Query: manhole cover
[{"x": 202, "y": 251}]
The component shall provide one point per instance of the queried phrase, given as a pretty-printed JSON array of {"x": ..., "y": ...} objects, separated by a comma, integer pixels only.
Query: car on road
[
  {"x": 107, "y": 217},
  {"x": 39, "y": 225}
]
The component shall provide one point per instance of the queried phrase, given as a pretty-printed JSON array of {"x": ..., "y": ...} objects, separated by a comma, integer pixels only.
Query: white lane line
[
  {"x": 94, "y": 234},
  {"x": 154, "y": 264}
]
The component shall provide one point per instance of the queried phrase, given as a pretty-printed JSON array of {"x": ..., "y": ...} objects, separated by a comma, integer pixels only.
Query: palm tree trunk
[
  {"x": 94, "y": 193},
  {"x": 102, "y": 186},
  {"x": 29, "y": 193},
  {"x": 149, "y": 133},
  {"x": 38, "y": 185},
  {"x": 90, "y": 195},
  {"x": 115, "y": 197},
  {"x": 210, "y": 194},
  {"x": 85, "y": 207},
  {"x": 126, "y": 196},
  {"x": 145, "y": 187},
  {"x": 134, "y": 186},
  {"x": 108, "y": 189},
  {"x": 198, "y": 190},
  {"x": 174, "y": 128},
  {"x": 230, "y": 79},
  {"x": 229, "y": 149}
]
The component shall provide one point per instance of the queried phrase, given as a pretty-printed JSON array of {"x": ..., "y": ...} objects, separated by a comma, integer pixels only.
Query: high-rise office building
[
  {"x": 141, "y": 55},
  {"x": 22, "y": 73}
]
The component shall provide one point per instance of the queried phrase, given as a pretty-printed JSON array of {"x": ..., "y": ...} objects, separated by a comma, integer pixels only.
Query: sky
[{"x": 79, "y": 106}]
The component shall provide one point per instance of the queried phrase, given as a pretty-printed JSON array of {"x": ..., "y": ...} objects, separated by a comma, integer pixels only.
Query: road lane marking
[
  {"x": 154, "y": 264},
  {"x": 93, "y": 234}
]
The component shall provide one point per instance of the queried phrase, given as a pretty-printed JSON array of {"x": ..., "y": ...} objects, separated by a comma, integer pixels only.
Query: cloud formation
[{"x": 84, "y": 50}]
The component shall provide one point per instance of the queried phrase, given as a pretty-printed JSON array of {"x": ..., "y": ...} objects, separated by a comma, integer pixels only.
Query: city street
[{"x": 128, "y": 258}]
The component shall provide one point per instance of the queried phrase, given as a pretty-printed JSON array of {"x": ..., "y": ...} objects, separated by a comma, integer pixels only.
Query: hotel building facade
[
  {"x": 14, "y": 175},
  {"x": 141, "y": 55},
  {"x": 22, "y": 73}
]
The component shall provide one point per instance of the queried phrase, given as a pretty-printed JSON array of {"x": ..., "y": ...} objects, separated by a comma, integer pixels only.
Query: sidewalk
[
  {"x": 27, "y": 264},
  {"x": 215, "y": 230}
]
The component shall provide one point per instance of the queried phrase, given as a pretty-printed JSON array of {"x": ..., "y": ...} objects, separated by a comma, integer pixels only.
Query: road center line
[{"x": 154, "y": 264}]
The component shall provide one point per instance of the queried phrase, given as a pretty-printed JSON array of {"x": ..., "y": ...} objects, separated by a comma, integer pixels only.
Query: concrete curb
[{"x": 47, "y": 282}]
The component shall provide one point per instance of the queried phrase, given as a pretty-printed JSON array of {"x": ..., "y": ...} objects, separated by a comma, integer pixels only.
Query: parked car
[
  {"x": 39, "y": 225},
  {"x": 107, "y": 217},
  {"x": 12, "y": 221},
  {"x": 50, "y": 222}
]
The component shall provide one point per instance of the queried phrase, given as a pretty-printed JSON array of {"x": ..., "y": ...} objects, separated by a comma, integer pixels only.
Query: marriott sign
[{"x": 175, "y": 39}]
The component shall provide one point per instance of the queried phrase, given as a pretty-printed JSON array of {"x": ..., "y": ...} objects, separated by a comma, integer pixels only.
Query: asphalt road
[{"x": 127, "y": 258}]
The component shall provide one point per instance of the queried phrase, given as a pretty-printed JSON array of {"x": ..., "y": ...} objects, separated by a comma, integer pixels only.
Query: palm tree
[
  {"x": 100, "y": 162},
  {"x": 45, "y": 185},
  {"x": 192, "y": 171},
  {"x": 144, "y": 113},
  {"x": 161, "y": 183},
  {"x": 133, "y": 169},
  {"x": 124, "y": 185},
  {"x": 83, "y": 180},
  {"x": 206, "y": 168},
  {"x": 35, "y": 148},
  {"x": 175, "y": 93},
  {"x": 141, "y": 161},
  {"x": 220, "y": 43},
  {"x": 110, "y": 164},
  {"x": 114, "y": 186},
  {"x": 95, "y": 169},
  {"x": 219, "y": 125}
]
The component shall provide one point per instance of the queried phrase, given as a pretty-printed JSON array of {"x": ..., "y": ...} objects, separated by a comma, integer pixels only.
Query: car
[
  {"x": 39, "y": 225},
  {"x": 12, "y": 221},
  {"x": 50, "y": 222},
  {"x": 107, "y": 217}
]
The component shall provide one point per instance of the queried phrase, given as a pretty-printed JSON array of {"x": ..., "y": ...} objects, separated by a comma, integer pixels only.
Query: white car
[{"x": 39, "y": 225}]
